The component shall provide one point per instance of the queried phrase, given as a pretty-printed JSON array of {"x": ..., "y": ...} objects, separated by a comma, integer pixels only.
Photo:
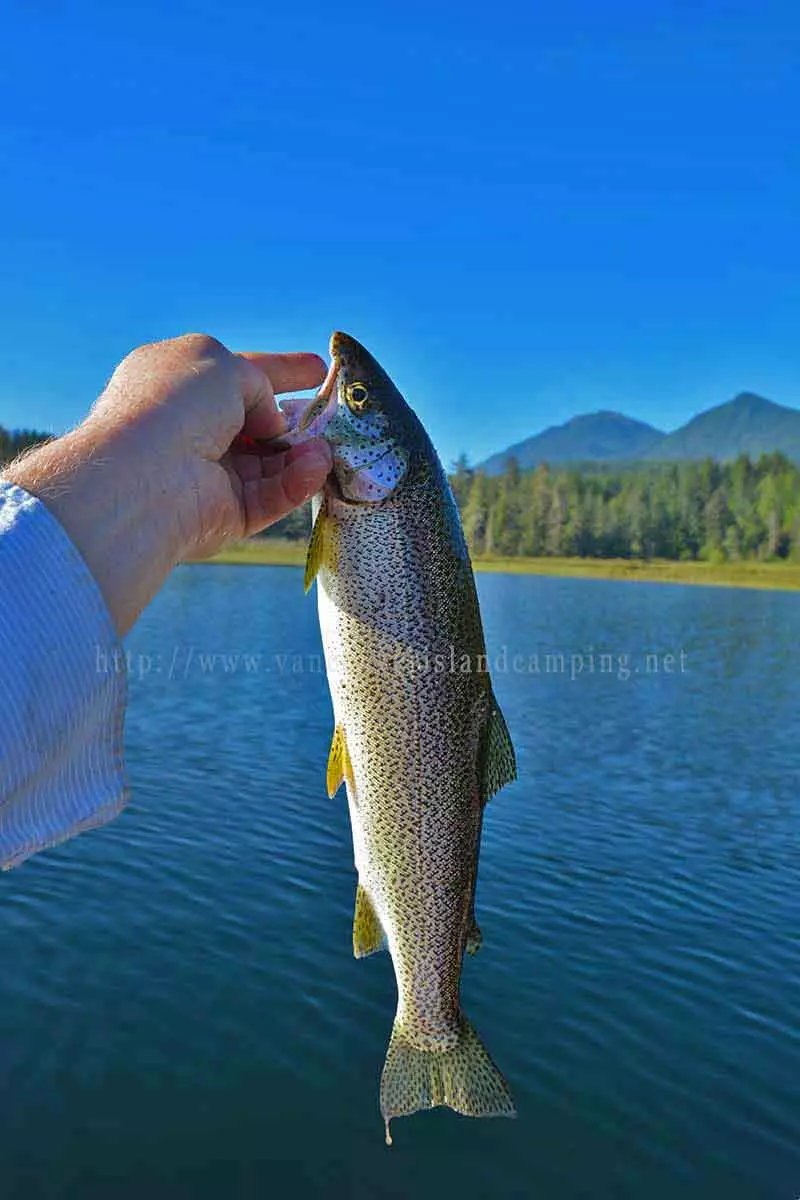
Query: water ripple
[{"x": 182, "y": 1014}]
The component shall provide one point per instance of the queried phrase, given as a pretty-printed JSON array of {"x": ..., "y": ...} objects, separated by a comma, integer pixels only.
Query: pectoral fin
[
  {"x": 339, "y": 766},
  {"x": 498, "y": 760},
  {"x": 368, "y": 935},
  {"x": 320, "y": 547}
]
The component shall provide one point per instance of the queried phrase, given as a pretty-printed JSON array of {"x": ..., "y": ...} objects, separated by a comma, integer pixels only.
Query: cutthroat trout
[{"x": 419, "y": 739}]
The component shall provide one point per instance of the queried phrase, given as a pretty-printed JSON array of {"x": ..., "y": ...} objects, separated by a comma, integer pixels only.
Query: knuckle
[
  {"x": 191, "y": 346},
  {"x": 138, "y": 353},
  {"x": 201, "y": 345}
]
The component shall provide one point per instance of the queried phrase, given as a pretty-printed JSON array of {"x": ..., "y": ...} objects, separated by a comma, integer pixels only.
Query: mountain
[
  {"x": 594, "y": 437},
  {"x": 748, "y": 424}
]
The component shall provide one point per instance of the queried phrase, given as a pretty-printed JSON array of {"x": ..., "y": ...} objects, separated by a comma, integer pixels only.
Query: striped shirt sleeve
[{"x": 63, "y": 686}]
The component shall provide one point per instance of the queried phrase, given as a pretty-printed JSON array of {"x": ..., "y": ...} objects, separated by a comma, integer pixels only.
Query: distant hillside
[
  {"x": 748, "y": 424},
  {"x": 594, "y": 437}
]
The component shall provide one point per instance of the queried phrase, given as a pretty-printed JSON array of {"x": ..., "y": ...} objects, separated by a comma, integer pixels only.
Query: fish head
[
  {"x": 371, "y": 433},
  {"x": 376, "y": 440}
]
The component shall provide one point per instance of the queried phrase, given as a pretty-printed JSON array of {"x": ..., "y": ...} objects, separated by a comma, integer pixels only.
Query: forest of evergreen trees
[
  {"x": 681, "y": 510},
  {"x": 12, "y": 441}
]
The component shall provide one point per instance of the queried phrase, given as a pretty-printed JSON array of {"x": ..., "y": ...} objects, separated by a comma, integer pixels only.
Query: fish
[{"x": 419, "y": 740}]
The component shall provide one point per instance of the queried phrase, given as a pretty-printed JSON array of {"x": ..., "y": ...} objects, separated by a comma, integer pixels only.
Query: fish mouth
[
  {"x": 307, "y": 419},
  {"x": 338, "y": 343},
  {"x": 346, "y": 350},
  {"x": 323, "y": 404},
  {"x": 315, "y": 417}
]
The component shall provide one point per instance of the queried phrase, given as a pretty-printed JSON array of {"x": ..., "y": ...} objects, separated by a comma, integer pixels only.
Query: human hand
[{"x": 153, "y": 475}]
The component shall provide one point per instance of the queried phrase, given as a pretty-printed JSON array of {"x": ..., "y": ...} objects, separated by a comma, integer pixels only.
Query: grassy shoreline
[{"x": 784, "y": 576}]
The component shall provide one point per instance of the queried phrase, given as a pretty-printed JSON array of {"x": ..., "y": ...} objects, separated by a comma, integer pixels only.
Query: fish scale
[{"x": 419, "y": 740}]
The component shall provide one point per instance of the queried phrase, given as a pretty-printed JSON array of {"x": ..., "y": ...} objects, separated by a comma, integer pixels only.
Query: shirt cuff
[{"x": 63, "y": 689}]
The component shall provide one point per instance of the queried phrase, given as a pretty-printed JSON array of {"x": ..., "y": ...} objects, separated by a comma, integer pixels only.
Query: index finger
[{"x": 289, "y": 372}]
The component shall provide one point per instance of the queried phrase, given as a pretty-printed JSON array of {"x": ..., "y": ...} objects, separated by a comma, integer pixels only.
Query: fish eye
[{"x": 357, "y": 396}]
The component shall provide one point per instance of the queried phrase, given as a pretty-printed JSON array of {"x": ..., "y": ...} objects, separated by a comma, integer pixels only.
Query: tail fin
[{"x": 464, "y": 1079}]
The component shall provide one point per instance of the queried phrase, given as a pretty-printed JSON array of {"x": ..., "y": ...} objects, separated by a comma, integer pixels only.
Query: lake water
[{"x": 181, "y": 1014}]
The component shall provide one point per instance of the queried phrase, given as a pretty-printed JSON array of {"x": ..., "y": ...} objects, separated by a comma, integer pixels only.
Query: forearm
[
  {"x": 91, "y": 526},
  {"x": 62, "y": 693},
  {"x": 150, "y": 476},
  {"x": 92, "y": 481}
]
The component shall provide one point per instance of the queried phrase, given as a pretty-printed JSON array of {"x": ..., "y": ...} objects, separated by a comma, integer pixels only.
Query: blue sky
[{"x": 526, "y": 210}]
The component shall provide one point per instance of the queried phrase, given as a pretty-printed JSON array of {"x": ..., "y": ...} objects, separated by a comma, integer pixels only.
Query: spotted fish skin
[{"x": 420, "y": 741}]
